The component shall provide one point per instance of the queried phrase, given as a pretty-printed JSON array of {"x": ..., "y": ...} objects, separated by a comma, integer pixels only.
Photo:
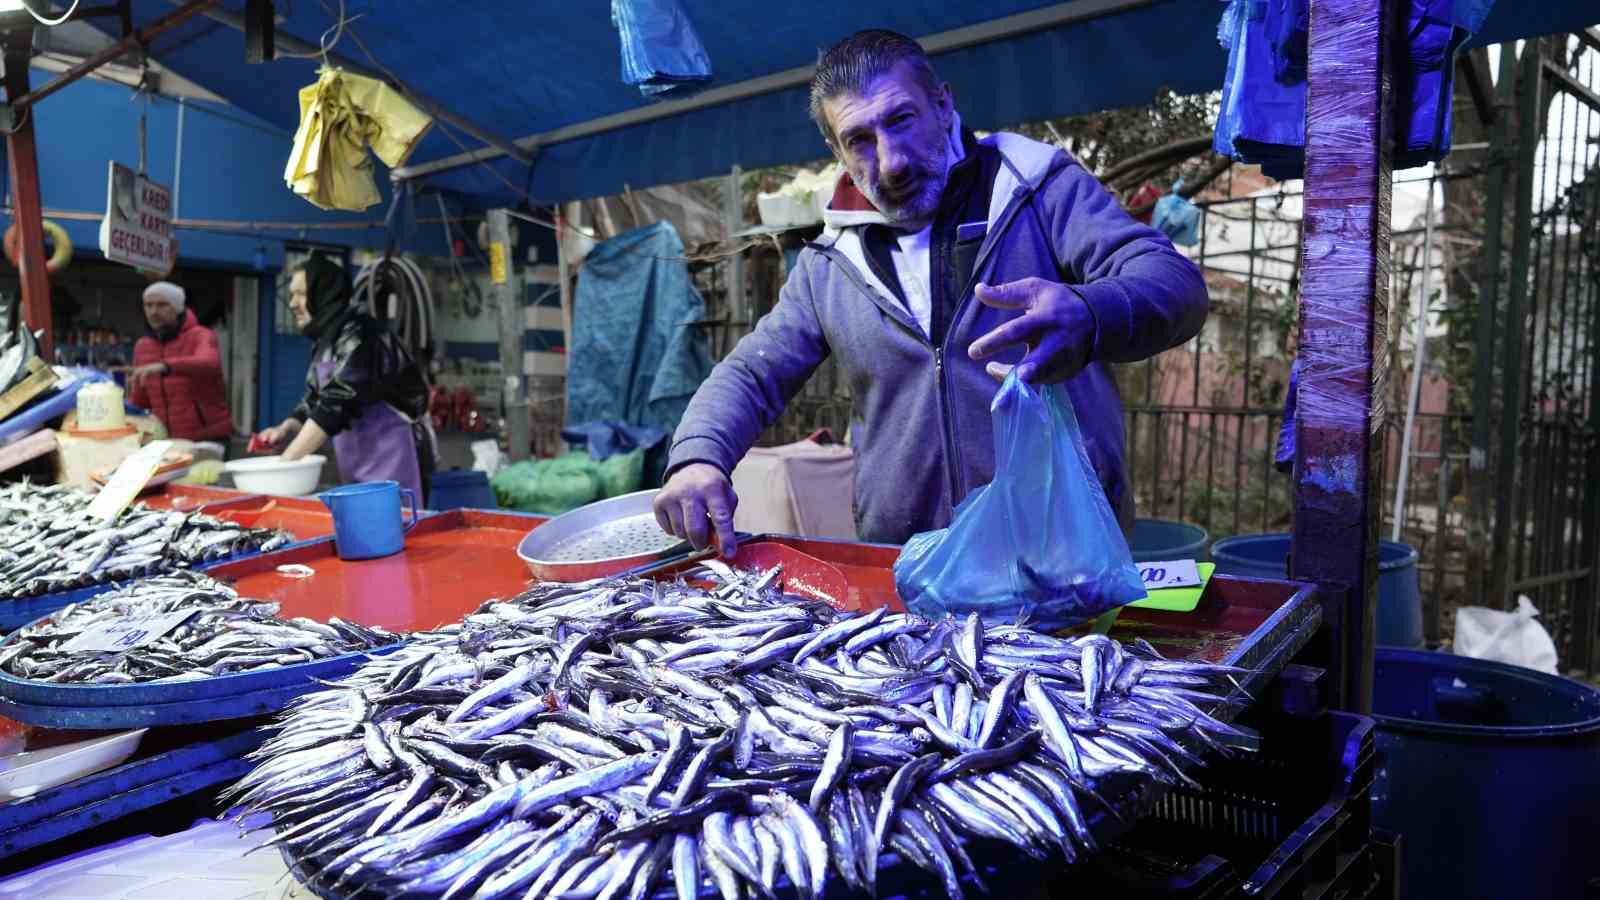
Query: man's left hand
[
  {"x": 146, "y": 371},
  {"x": 1056, "y": 326}
]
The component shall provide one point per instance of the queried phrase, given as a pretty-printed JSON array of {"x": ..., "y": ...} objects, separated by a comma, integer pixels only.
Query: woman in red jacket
[{"x": 177, "y": 369}]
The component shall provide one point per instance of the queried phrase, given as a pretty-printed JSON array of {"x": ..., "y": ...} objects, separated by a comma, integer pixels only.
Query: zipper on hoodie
[
  {"x": 951, "y": 469},
  {"x": 947, "y": 429}
]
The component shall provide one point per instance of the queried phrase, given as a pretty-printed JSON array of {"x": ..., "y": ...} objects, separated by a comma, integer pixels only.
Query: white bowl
[{"x": 271, "y": 475}]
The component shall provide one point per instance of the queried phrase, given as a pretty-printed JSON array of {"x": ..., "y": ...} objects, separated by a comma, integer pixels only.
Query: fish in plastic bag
[{"x": 1039, "y": 542}]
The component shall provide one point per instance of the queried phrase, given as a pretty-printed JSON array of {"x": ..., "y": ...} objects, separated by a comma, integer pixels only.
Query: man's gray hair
[{"x": 850, "y": 65}]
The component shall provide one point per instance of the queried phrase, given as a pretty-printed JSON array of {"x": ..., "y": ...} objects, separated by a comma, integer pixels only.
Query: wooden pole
[{"x": 27, "y": 207}]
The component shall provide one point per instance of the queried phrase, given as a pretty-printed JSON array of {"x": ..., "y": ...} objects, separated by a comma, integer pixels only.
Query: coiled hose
[{"x": 395, "y": 290}]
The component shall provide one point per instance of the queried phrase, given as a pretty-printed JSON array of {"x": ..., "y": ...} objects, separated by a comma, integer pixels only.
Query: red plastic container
[
  {"x": 1240, "y": 620},
  {"x": 451, "y": 564}
]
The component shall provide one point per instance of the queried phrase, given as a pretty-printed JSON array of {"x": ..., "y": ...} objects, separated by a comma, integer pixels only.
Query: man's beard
[{"x": 918, "y": 210}]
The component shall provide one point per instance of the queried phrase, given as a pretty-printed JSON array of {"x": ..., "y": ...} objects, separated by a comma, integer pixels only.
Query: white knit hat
[{"x": 167, "y": 291}]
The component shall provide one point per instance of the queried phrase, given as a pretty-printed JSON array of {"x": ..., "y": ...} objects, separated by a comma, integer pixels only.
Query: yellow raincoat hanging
[{"x": 340, "y": 116}]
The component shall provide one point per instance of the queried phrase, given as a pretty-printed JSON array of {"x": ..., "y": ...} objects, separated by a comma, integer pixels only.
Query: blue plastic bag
[
  {"x": 1177, "y": 218},
  {"x": 661, "y": 54},
  {"x": 1039, "y": 542}
]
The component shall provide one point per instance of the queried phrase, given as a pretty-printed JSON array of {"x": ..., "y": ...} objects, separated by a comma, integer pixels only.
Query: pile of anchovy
[
  {"x": 607, "y": 738},
  {"x": 226, "y": 634},
  {"x": 48, "y": 541}
]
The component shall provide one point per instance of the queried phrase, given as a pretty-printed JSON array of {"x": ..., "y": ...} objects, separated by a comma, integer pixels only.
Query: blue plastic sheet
[
  {"x": 661, "y": 54},
  {"x": 607, "y": 439},
  {"x": 1039, "y": 542},
  {"x": 1283, "y": 457},
  {"x": 1263, "y": 100},
  {"x": 635, "y": 356}
]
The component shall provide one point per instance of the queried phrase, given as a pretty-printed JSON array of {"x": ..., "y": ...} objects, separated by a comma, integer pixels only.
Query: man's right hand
[{"x": 697, "y": 504}]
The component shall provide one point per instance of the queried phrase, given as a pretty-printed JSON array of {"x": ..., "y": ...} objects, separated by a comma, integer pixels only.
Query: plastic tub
[
  {"x": 1399, "y": 600},
  {"x": 459, "y": 488},
  {"x": 1490, "y": 772},
  {"x": 271, "y": 475},
  {"x": 1165, "y": 539}
]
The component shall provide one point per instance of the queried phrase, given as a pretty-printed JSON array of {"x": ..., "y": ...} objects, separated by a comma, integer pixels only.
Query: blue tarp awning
[{"x": 520, "y": 69}]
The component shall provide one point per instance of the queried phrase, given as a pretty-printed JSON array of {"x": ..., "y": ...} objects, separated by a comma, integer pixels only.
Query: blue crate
[{"x": 89, "y": 802}]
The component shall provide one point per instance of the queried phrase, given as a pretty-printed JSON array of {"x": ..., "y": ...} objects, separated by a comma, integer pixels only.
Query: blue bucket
[
  {"x": 367, "y": 522},
  {"x": 1399, "y": 594},
  {"x": 458, "y": 488},
  {"x": 1487, "y": 771},
  {"x": 1158, "y": 540}
]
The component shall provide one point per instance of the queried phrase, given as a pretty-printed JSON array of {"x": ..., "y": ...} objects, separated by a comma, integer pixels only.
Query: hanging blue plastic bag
[
  {"x": 1039, "y": 542},
  {"x": 661, "y": 54},
  {"x": 1177, "y": 218}
]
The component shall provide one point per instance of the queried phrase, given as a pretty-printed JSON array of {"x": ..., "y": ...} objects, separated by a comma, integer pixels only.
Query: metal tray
[
  {"x": 146, "y": 715},
  {"x": 17, "y": 613},
  {"x": 607, "y": 537},
  {"x": 43, "y": 693}
]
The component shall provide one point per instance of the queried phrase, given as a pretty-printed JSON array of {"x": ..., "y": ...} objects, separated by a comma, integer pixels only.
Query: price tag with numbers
[
  {"x": 126, "y": 633},
  {"x": 129, "y": 479},
  {"x": 1169, "y": 574}
]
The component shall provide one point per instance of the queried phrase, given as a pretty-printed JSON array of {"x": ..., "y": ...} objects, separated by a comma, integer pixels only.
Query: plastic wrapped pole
[
  {"x": 1344, "y": 303},
  {"x": 514, "y": 382}
]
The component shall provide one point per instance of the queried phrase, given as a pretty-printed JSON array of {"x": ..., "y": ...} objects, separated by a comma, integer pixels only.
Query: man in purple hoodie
[{"x": 946, "y": 260}]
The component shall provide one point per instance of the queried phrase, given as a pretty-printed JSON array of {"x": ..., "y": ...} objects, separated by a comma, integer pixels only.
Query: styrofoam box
[{"x": 207, "y": 861}]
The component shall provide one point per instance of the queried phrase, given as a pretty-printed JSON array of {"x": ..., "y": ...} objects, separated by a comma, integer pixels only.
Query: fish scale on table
[
  {"x": 610, "y": 738},
  {"x": 227, "y": 634},
  {"x": 54, "y": 545}
]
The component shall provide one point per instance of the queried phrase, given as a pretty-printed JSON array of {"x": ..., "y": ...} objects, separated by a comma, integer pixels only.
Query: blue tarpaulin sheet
[
  {"x": 523, "y": 69},
  {"x": 1264, "y": 89},
  {"x": 606, "y": 439},
  {"x": 636, "y": 356},
  {"x": 661, "y": 54}
]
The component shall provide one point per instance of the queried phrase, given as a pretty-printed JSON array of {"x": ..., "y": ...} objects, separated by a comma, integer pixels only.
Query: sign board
[
  {"x": 129, "y": 479},
  {"x": 1169, "y": 574},
  {"x": 137, "y": 229},
  {"x": 497, "y": 263},
  {"x": 128, "y": 632}
]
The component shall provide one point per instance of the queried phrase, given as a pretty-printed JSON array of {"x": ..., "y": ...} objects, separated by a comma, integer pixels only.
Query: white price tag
[
  {"x": 129, "y": 479},
  {"x": 127, "y": 632},
  {"x": 1169, "y": 574}
]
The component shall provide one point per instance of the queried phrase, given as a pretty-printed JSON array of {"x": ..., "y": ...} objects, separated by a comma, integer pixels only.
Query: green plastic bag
[
  {"x": 547, "y": 486},
  {"x": 621, "y": 473},
  {"x": 553, "y": 486}
]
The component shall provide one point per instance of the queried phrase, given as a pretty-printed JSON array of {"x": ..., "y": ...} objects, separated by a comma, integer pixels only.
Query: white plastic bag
[
  {"x": 487, "y": 457},
  {"x": 1508, "y": 637}
]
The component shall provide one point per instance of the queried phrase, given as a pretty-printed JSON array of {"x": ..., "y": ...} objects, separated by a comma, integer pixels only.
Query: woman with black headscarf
[{"x": 363, "y": 389}]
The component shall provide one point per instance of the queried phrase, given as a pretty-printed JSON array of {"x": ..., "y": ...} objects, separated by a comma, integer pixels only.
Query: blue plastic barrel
[
  {"x": 457, "y": 488},
  {"x": 1399, "y": 594},
  {"x": 1164, "y": 539},
  {"x": 1490, "y": 772}
]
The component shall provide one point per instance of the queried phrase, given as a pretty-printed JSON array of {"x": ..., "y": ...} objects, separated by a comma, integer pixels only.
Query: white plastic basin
[{"x": 271, "y": 475}]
